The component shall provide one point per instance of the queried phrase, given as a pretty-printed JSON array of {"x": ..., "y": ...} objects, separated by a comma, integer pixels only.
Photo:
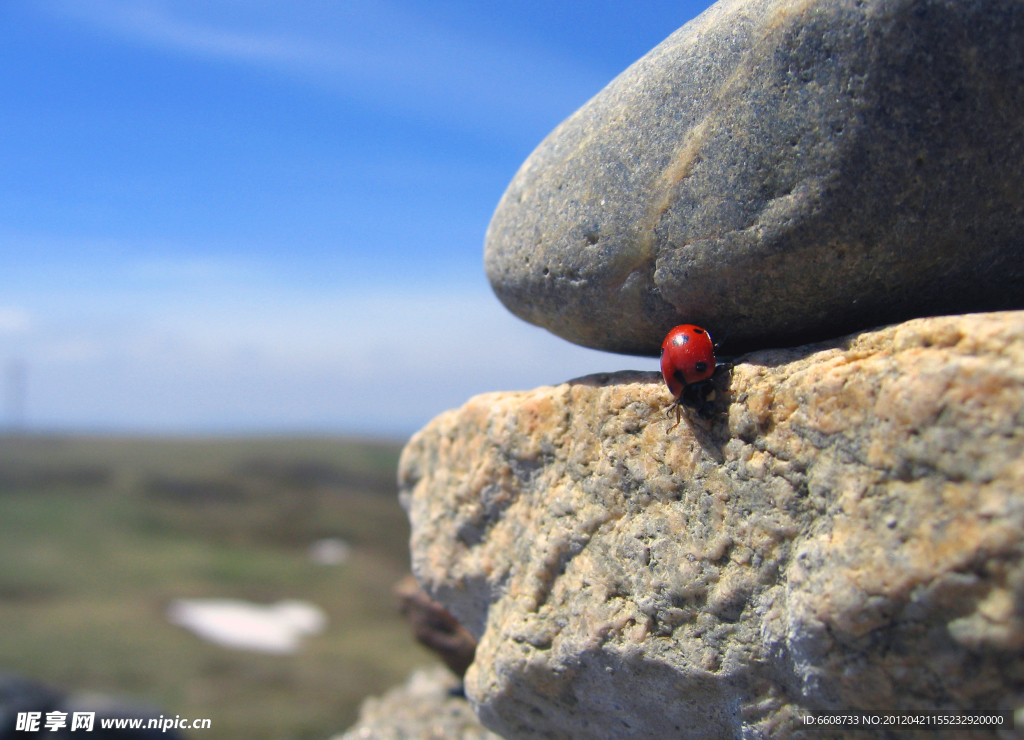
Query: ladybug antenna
[{"x": 728, "y": 331}]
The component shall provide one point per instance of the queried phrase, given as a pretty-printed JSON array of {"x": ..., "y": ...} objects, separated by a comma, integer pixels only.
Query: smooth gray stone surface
[{"x": 782, "y": 171}]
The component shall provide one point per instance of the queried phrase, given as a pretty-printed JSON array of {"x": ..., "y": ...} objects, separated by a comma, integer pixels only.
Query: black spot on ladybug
[
  {"x": 700, "y": 367},
  {"x": 680, "y": 339},
  {"x": 698, "y": 330},
  {"x": 678, "y": 375}
]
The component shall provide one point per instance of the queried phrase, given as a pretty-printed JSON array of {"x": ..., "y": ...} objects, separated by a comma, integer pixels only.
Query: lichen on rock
[{"x": 847, "y": 533}]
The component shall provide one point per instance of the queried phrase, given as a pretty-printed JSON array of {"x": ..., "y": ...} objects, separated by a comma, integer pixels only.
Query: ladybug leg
[
  {"x": 700, "y": 397},
  {"x": 675, "y": 405}
]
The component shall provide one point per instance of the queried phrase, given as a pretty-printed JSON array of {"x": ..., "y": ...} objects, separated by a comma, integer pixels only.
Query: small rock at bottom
[{"x": 426, "y": 707}]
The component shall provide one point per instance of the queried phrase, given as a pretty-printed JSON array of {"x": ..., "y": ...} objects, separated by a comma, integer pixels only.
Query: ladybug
[{"x": 688, "y": 364}]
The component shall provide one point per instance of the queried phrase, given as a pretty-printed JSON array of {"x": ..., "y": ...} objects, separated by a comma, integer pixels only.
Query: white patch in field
[
  {"x": 240, "y": 625},
  {"x": 331, "y": 551}
]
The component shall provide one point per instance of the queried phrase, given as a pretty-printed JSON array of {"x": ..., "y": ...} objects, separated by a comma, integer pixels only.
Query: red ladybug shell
[{"x": 687, "y": 357}]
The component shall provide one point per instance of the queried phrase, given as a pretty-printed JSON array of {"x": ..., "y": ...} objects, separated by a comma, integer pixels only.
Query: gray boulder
[{"x": 785, "y": 171}]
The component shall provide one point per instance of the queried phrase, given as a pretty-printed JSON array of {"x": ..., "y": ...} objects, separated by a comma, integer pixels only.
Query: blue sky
[{"x": 268, "y": 215}]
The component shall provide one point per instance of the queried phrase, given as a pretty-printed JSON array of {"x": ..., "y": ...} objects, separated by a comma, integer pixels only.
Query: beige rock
[{"x": 848, "y": 533}]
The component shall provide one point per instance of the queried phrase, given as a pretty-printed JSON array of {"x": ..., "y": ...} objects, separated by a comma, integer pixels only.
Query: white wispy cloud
[
  {"x": 168, "y": 24},
  {"x": 379, "y": 52}
]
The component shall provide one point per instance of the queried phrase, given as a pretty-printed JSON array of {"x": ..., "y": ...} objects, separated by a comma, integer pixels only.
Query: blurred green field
[{"x": 99, "y": 534}]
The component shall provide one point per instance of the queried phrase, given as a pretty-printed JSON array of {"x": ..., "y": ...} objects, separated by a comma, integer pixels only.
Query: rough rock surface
[
  {"x": 848, "y": 533},
  {"x": 793, "y": 169},
  {"x": 423, "y": 709}
]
